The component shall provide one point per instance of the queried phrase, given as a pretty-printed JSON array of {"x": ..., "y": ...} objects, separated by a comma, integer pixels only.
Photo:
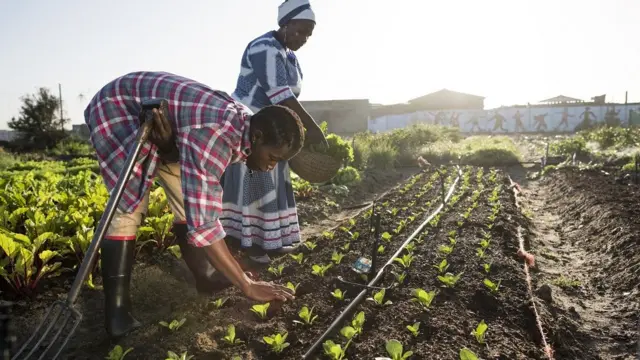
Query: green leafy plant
[
  {"x": 336, "y": 257},
  {"x": 310, "y": 245},
  {"x": 218, "y": 303},
  {"x": 400, "y": 277},
  {"x": 299, "y": 258},
  {"x": 277, "y": 271},
  {"x": 405, "y": 260},
  {"x": 449, "y": 280},
  {"x": 386, "y": 236},
  {"x": 174, "y": 356},
  {"x": 395, "y": 350},
  {"x": 442, "y": 267},
  {"x": 493, "y": 287},
  {"x": 292, "y": 287},
  {"x": 424, "y": 298},
  {"x": 320, "y": 270},
  {"x": 306, "y": 315},
  {"x": 261, "y": 310},
  {"x": 230, "y": 337},
  {"x": 174, "y": 324},
  {"x": 277, "y": 342},
  {"x": 118, "y": 353},
  {"x": 480, "y": 331},
  {"x": 414, "y": 329},
  {"x": 466, "y": 354},
  {"x": 338, "y": 294},
  {"x": 378, "y": 298},
  {"x": 358, "y": 322}
]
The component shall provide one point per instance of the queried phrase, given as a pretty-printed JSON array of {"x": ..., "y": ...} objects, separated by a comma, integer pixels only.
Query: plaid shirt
[{"x": 212, "y": 131}]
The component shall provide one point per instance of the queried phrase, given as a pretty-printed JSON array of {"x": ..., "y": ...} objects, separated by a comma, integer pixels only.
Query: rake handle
[{"x": 110, "y": 209}]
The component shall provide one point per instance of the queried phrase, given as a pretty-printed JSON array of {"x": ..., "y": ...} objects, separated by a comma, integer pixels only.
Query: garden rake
[{"x": 62, "y": 314}]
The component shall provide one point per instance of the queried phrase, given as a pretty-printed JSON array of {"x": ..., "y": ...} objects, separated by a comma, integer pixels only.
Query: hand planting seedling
[
  {"x": 230, "y": 337},
  {"x": 260, "y": 310},
  {"x": 414, "y": 329},
  {"x": 117, "y": 353},
  {"x": 424, "y": 298},
  {"x": 173, "y": 356},
  {"x": 277, "y": 342},
  {"x": 493, "y": 287},
  {"x": 449, "y": 280},
  {"x": 276, "y": 271},
  {"x": 174, "y": 324},
  {"x": 338, "y": 294},
  {"x": 480, "y": 331},
  {"x": 306, "y": 315},
  {"x": 378, "y": 298},
  {"x": 320, "y": 270}
]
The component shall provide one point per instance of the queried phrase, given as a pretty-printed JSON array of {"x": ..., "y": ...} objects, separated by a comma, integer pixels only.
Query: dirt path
[{"x": 584, "y": 320}]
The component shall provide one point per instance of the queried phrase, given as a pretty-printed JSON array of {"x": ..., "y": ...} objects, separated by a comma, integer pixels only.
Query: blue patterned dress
[{"x": 259, "y": 207}]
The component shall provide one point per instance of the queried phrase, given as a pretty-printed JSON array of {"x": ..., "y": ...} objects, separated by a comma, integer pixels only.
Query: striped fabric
[
  {"x": 212, "y": 132},
  {"x": 269, "y": 74}
]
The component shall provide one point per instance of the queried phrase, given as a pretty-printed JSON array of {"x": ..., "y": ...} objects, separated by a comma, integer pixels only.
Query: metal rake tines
[{"x": 42, "y": 345}]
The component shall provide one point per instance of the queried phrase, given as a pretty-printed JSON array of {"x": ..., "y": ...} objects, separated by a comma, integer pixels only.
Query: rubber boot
[
  {"x": 207, "y": 279},
  {"x": 116, "y": 263}
]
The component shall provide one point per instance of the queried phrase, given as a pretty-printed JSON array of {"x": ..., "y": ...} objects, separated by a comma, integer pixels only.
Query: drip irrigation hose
[{"x": 361, "y": 296}]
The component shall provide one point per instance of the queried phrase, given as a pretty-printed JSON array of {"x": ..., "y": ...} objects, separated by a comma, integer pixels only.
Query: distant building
[
  {"x": 81, "y": 130},
  {"x": 343, "y": 117},
  {"x": 7, "y": 135},
  {"x": 437, "y": 101}
]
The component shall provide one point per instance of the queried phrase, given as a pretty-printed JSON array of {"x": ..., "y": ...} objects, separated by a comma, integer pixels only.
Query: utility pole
[{"x": 60, "y": 95}]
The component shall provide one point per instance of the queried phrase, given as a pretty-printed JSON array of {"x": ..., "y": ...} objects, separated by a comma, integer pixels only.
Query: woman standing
[{"x": 259, "y": 209}]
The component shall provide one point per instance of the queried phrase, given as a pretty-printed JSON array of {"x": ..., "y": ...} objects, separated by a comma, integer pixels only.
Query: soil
[
  {"x": 585, "y": 236},
  {"x": 582, "y": 225}
]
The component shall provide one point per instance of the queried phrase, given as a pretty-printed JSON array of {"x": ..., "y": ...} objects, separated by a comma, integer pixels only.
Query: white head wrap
[{"x": 295, "y": 9}]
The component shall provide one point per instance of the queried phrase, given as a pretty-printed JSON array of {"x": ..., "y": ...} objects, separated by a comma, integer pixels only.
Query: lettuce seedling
[
  {"x": 479, "y": 332},
  {"x": 358, "y": 322},
  {"x": 298, "y": 258},
  {"x": 348, "y": 332},
  {"x": 424, "y": 298},
  {"x": 399, "y": 277},
  {"x": 381, "y": 249},
  {"x": 230, "y": 337},
  {"x": 449, "y": 280},
  {"x": 355, "y": 236},
  {"x": 414, "y": 329},
  {"x": 277, "y": 342},
  {"x": 378, "y": 298},
  {"x": 292, "y": 287},
  {"x": 338, "y": 294},
  {"x": 346, "y": 246},
  {"x": 394, "y": 349},
  {"x": 442, "y": 267},
  {"x": 306, "y": 315},
  {"x": 118, "y": 353},
  {"x": 486, "y": 267},
  {"x": 217, "y": 304},
  {"x": 173, "y": 356},
  {"x": 386, "y": 236},
  {"x": 410, "y": 248},
  {"x": 320, "y": 270},
  {"x": 405, "y": 260},
  {"x": 466, "y": 354},
  {"x": 174, "y": 324},
  {"x": 261, "y": 310},
  {"x": 445, "y": 249},
  {"x": 493, "y": 287},
  {"x": 276, "y": 271},
  {"x": 333, "y": 351},
  {"x": 309, "y": 245}
]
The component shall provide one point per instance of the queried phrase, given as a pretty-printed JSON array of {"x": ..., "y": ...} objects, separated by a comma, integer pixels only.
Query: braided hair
[{"x": 280, "y": 126}]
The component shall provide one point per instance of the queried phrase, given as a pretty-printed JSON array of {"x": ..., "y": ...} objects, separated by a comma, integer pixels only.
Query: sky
[{"x": 510, "y": 51}]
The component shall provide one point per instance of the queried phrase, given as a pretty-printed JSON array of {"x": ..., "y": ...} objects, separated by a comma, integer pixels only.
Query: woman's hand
[
  {"x": 267, "y": 291},
  {"x": 316, "y": 136}
]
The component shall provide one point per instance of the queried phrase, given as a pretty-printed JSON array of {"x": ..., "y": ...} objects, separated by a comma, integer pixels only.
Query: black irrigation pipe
[{"x": 358, "y": 299}]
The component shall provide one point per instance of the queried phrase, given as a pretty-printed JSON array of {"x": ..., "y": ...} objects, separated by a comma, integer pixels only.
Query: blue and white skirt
[{"x": 259, "y": 208}]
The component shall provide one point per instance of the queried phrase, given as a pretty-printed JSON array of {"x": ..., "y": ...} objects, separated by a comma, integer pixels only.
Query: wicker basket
[{"x": 314, "y": 167}]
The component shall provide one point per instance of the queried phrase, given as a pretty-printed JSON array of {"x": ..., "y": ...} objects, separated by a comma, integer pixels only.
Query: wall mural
[{"x": 513, "y": 119}]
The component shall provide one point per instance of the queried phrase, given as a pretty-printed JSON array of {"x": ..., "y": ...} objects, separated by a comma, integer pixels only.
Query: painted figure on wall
[
  {"x": 454, "y": 120},
  {"x": 611, "y": 118},
  {"x": 587, "y": 116},
  {"x": 564, "y": 119},
  {"x": 499, "y": 124},
  {"x": 474, "y": 120},
  {"x": 540, "y": 122},
  {"x": 519, "y": 124}
]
